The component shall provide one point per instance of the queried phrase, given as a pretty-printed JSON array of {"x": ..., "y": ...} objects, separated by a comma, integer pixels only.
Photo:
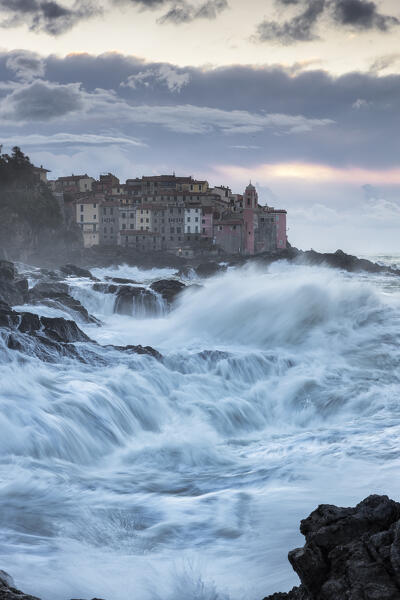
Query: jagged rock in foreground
[
  {"x": 349, "y": 554},
  {"x": 9, "y": 592}
]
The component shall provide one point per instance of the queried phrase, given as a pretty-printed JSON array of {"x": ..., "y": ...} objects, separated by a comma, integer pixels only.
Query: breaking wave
[{"x": 185, "y": 478}]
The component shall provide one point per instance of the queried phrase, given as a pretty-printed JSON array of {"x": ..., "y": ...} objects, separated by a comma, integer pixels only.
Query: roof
[
  {"x": 74, "y": 177},
  {"x": 41, "y": 169}
]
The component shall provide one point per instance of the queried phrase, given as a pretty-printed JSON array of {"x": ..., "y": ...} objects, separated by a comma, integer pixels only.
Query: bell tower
[
  {"x": 250, "y": 199},
  {"x": 250, "y": 205}
]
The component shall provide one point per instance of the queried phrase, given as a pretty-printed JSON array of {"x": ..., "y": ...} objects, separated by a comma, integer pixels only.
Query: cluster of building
[{"x": 181, "y": 215}]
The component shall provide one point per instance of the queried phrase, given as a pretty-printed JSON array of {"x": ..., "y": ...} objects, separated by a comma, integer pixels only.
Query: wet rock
[
  {"x": 74, "y": 271},
  {"x": 55, "y": 295},
  {"x": 209, "y": 269},
  {"x": 13, "y": 292},
  {"x": 9, "y": 592},
  {"x": 105, "y": 288},
  {"x": 47, "y": 289},
  {"x": 138, "y": 350},
  {"x": 121, "y": 280},
  {"x": 61, "y": 330},
  {"x": 7, "y": 270},
  {"x": 13, "y": 289},
  {"x": 351, "y": 553},
  {"x": 168, "y": 289}
]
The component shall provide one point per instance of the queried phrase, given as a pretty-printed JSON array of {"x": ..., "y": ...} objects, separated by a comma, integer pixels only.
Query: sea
[{"x": 185, "y": 478}]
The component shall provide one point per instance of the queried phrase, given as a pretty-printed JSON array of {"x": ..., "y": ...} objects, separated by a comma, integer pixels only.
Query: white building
[{"x": 193, "y": 219}]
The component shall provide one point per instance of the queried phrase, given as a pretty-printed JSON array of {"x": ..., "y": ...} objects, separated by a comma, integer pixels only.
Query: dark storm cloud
[
  {"x": 362, "y": 14},
  {"x": 26, "y": 65},
  {"x": 356, "y": 14},
  {"x": 305, "y": 116},
  {"x": 299, "y": 28},
  {"x": 180, "y": 11},
  {"x": 185, "y": 12},
  {"x": 40, "y": 101},
  {"x": 50, "y": 17}
]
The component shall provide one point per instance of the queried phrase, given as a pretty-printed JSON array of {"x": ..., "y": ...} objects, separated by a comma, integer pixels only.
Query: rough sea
[{"x": 186, "y": 478}]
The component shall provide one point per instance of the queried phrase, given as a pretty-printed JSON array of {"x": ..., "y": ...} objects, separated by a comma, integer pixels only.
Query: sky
[{"x": 300, "y": 96}]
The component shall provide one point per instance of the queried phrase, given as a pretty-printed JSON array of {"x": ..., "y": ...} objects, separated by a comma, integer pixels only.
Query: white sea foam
[{"x": 186, "y": 479}]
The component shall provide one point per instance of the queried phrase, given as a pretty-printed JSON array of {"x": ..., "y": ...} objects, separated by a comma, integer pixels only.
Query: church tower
[
  {"x": 250, "y": 199},
  {"x": 250, "y": 206}
]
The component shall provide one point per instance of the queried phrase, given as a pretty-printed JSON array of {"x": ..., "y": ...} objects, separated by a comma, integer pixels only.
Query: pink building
[
  {"x": 281, "y": 235},
  {"x": 250, "y": 207}
]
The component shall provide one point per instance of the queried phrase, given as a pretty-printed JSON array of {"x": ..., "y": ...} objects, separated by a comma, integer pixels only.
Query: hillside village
[{"x": 178, "y": 215}]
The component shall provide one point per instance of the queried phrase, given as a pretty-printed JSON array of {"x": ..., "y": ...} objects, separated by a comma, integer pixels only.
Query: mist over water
[{"x": 186, "y": 478}]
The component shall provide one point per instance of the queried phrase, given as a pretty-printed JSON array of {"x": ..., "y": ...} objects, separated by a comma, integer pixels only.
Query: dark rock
[
  {"x": 56, "y": 295},
  {"x": 62, "y": 330},
  {"x": 105, "y": 288},
  {"x": 12, "y": 292},
  {"x": 138, "y": 350},
  {"x": 350, "y": 553},
  {"x": 168, "y": 289},
  {"x": 7, "y": 270},
  {"x": 121, "y": 280},
  {"x": 9, "y": 592},
  {"x": 209, "y": 269},
  {"x": 74, "y": 271},
  {"x": 46, "y": 289}
]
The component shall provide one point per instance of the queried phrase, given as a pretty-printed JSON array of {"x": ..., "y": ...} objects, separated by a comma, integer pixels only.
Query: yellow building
[
  {"x": 143, "y": 218},
  {"x": 88, "y": 219}
]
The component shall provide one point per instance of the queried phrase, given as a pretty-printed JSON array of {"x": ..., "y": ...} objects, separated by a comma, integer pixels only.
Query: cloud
[
  {"x": 183, "y": 12},
  {"x": 174, "y": 80},
  {"x": 384, "y": 62},
  {"x": 41, "y": 101},
  {"x": 48, "y": 16},
  {"x": 362, "y": 14},
  {"x": 180, "y": 11},
  {"x": 70, "y": 139},
  {"x": 299, "y": 28},
  {"x": 25, "y": 65},
  {"x": 355, "y": 14},
  {"x": 45, "y": 101}
]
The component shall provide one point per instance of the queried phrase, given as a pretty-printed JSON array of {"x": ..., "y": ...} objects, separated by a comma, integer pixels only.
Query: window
[
  {"x": 94, "y": 217},
  {"x": 111, "y": 211},
  {"x": 172, "y": 230},
  {"x": 132, "y": 215},
  {"x": 178, "y": 230},
  {"x": 197, "y": 229},
  {"x": 131, "y": 225},
  {"x": 204, "y": 229},
  {"x": 123, "y": 226},
  {"x": 196, "y": 219},
  {"x": 188, "y": 219},
  {"x": 147, "y": 221},
  {"x": 123, "y": 215},
  {"x": 105, "y": 229},
  {"x": 104, "y": 211},
  {"x": 188, "y": 230},
  {"x": 111, "y": 230},
  {"x": 94, "y": 205},
  {"x": 81, "y": 218},
  {"x": 203, "y": 221},
  {"x": 81, "y": 207},
  {"x": 141, "y": 220}
]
